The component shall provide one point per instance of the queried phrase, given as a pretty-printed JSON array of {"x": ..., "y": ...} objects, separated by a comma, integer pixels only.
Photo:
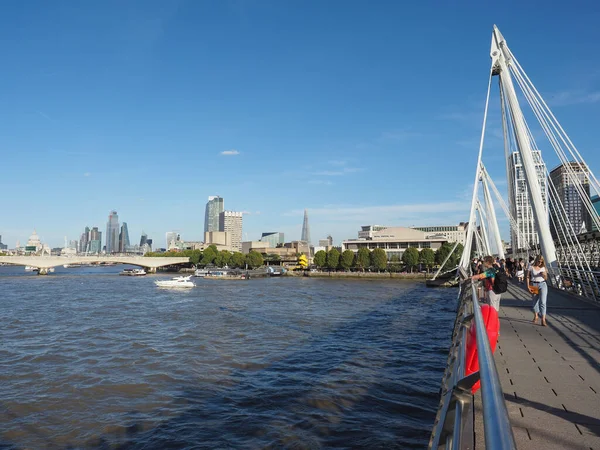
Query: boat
[
  {"x": 31, "y": 269},
  {"x": 201, "y": 272},
  {"x": 133, "y": 272},
  {"x": 177, "y": 282}
]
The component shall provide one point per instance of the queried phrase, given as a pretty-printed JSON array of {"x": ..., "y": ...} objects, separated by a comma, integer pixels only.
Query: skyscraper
[
  {"x": 214, "y": 207},
  {"x": 231, "y": 222},
  {"x": 95, "y": 241},
  {"x": 273, "y": 238},
  {"x": 112, "y": 233},
  {"x": 520, "y": 202},
  {"x": 305, "y": 229},
  {"x": 124, "y": 238},
  {"x": 566, "y": 179},
  {"x": 171, "y": 237},
  {"x": 143, "y": 239},
  {"x": 83, "y": 240}
]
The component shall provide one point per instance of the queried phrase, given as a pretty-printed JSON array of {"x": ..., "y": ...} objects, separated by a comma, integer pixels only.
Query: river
[{"x": 89, "y": 359}]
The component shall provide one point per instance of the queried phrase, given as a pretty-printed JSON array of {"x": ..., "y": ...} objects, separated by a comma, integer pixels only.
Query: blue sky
[{"x": 361, "y": 112}]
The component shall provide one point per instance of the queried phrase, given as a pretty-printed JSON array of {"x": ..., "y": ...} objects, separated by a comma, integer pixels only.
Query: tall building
[
  {"x": 520, "y": 201},
  {"x": 273, "y": 238},
  {"x": 124, "y": 238},
  {"x": 214, "y": 207},
  {"x": 231, "y": 222},
  {"x": 112, "y": 233},
  {"x": 566, "y": 179},
  {"x": 83, "y": 240},
  {"x": 2, "y": 246},
  {"x": 143, "y": 239},
  {"x": 305, "y": 229},
  {"x": 95, "y": 241},
  {"x": 326, "y": 242},
  {"x": 171, "y": 238}
]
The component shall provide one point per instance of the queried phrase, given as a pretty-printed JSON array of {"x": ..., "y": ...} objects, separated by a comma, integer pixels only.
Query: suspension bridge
[{"x": 541, "y": 386}]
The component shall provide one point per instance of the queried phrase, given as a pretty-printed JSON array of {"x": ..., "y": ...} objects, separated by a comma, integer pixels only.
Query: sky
[{"x": 360, "y": 112}]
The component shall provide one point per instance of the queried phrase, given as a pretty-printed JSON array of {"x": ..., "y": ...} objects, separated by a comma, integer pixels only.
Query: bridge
[
  {"x": 46, "y": 262},
  {"x": 540, "y": 385}
]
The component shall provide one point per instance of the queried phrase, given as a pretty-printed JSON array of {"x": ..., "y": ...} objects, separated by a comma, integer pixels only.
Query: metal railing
[{"x": 453, "y": 426}]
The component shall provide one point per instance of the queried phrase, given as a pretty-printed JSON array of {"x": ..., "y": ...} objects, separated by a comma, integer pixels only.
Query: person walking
[
  {"x": 520, "y": 270},
  {"x": 537, "y": 278},
  {"x": 489, "y": 275}
]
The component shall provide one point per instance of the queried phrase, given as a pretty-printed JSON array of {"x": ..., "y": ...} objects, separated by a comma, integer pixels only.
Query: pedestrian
[
  {"x": 509, "y": 267},
  {"x": 520, "y": 270},
  {"x": 489, "y": 275},
  {"x": 536, "y": 283}
]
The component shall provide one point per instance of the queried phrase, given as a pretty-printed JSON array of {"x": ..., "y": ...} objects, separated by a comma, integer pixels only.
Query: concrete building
[
  {"x": 112, "y": 233},
  {"x": 248, "y": 246},
  {"x": 519, "y": 201},
  {"x": 454, "y": 233},
  {"x": 566, "y": 188},
  {"x": 366, "y": 231},
  {"x": 288, "y": 253},
  {"x": 328, "y": 242},
  {"x": 231, "y": 222},
  {"x": 394, "y": 240},
  {"x": 221, "y": 239},
  {"x": 171, "y": 238},
  {"x": 214, "y": 207},
  {"x": 273, "y": 238}
]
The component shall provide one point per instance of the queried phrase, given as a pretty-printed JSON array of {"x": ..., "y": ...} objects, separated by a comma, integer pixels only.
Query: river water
[{"x": 89, "y": 359}]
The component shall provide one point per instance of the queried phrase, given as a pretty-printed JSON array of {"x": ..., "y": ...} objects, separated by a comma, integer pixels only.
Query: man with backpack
[{"x": 495, "y": 282}]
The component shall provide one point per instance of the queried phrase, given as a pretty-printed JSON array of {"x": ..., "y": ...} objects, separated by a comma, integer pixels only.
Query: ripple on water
[{"x": 276, "y": 363}]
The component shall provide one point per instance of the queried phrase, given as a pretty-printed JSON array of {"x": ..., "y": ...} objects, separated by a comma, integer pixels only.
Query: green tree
[
  {"x": 347, "y": 259},
  {"x": 444, "y": 251},
  {"x": 455, "y": 258},
  {"x": 238, "y": 260},
  {"x": 225, "y": 257},
  {"x": 394, "y": 265},
  {"x": 208, "y": 255},
  {"x": 195, "y": 256},
  {"x": 427, "y": 258},
  {"x": 218, "y": 261},
  {"x": 379, "y": 259},
  {"x": 333, "y": 258},
  {"x": 254, "y": 260},
  {"x": 320, "y": 259},
  {"x": 410, "y": 257},
  {"x": 363, "y": 258}
]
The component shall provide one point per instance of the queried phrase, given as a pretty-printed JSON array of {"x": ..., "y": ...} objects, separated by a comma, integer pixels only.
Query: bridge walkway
[{"x": 550, "y": 375}]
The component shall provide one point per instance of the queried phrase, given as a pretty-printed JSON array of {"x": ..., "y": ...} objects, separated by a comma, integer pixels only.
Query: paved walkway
[{"x": 550, "y": 375}]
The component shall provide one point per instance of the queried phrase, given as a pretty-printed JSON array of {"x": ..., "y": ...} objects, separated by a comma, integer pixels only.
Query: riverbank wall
[{"x": 365, "y": 275}]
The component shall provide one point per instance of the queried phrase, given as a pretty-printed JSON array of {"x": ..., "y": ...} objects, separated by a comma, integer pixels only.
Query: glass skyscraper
[
  {"x": 124, "y": 238},
  {"x": 112, "y": 233},
  {"x": 214, "y": 207}
]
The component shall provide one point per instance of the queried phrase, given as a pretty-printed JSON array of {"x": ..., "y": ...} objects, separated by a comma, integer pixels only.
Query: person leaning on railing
[
  {"x": 488, "y": 275},
  {"x": 537, "y": 277}
]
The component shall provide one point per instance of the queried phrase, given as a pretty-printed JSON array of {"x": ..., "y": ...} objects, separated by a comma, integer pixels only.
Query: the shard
[{"x": 305, "y": 228}]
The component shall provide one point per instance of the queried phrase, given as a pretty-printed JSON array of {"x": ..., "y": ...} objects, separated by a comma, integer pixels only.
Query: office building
[
  {"x": 305, "y": 229},
  {"x": 273, "y": 238},
  {"x": 95, "y": 241},
  {"x": 231, "y": 222},
  {"x": 394, "y": 240},
  {"x": 214, "y": 207},
  {"x": 83, "y": 240},
  {"x": 328, "y": 242},
  {"x": 124, "y": 238},
  {"x": 453, "y": 233},
  {"x": 112, "y": 233},
  {"x": 171, "y": 237},
  {"x": 566, "y": 180},
  {"x": 3, "y": 246},
  {"x": 520, "y": 201},
  {"x": 143, "y": 239}
]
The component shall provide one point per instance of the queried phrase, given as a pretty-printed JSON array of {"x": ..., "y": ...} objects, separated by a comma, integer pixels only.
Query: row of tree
[
  {"x": 377, "y": 259},
  {"x": 212, "y": 256}
]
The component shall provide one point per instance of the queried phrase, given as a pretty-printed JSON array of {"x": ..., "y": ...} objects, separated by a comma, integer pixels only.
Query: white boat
[
  {"x": 177, "y": 282},
  {"x": 31, "y": 269},
  {"x": 133, "y": 272},
  {"x": 201, "y": 272}
]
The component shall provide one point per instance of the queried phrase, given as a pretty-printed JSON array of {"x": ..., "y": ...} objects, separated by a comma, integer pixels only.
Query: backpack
[{"x": 500, "y": 282}]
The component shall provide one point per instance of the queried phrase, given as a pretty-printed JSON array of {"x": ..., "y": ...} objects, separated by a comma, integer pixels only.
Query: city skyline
[{"x": 284, "y": 121}]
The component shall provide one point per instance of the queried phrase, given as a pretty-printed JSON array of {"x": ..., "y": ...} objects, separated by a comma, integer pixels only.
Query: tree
[
  {"x": 347, "y": 259},
  {"x": 320, "y": 259},
  {"x": 379, "y": 259},
  {"x": 427, "y": 258},
  {"x": 394, "y": 265},
  {"x": 333, "y": 258},
  {"x": 410, "y": 257},
  {"x": 195, "y": 256},
  {"x": 208, "y": 255},
  {"x": 254, "y": 259},
  {"x": 444, "y": 251},
  {"x": 455, "y": 258},
  {"x": 238, "y": 260},
  {"x": 225, "y": 257},
  {"x": 363, "y": 258}
]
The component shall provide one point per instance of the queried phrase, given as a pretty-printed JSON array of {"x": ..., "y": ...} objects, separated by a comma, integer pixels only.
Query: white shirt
[{"x": 536, "y": 275}]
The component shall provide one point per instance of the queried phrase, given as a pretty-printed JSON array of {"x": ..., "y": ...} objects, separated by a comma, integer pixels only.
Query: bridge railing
[{"x": 453, "y": 426}]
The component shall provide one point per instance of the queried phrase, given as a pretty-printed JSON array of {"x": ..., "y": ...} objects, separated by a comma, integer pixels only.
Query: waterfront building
[
  {"x": 305, "y": 229},
  {"x": 566, "y": 180},
  {"x": 171, "y": 237},
  {"x": 273, "y": 238},
  {"x": 2, "y": 246},
  {"x": 124, "y": 238},
  {"x": 214, "y": 207},
  {"x": 453, "y": 233},
  {"x": 520, "y": 203},
  {"x": 231, "y": 222},
  {"x": 221, "y": 239},
  {"x": 394, "y": 240},
  {"x": 288, "y": 253},
  {"x": 143, "y": 239},
  {"x": 366, "y": 231},
  {"x": 112, "y": 233}
]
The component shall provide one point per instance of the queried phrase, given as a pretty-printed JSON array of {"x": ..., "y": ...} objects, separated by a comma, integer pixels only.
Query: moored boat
[
  {"x": 177, "y": 282},
  {"x": 133, "y": 272}
]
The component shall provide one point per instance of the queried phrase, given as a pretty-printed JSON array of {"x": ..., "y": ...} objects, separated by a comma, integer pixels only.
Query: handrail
[
  {"x": 496, "y": 423},
  {"x": 453, "y": 427}
]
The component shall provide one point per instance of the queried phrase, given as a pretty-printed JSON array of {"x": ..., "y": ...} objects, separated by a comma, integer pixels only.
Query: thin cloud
[
  {"x": 574, "y": 97},
  {"x": 322, "y": 182},
  {"x": 87, "y": 174},
  {"x": 337, "y": 173},
  {"x": 231, "y": 152},
  {"x": 44, "y": 115}
]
